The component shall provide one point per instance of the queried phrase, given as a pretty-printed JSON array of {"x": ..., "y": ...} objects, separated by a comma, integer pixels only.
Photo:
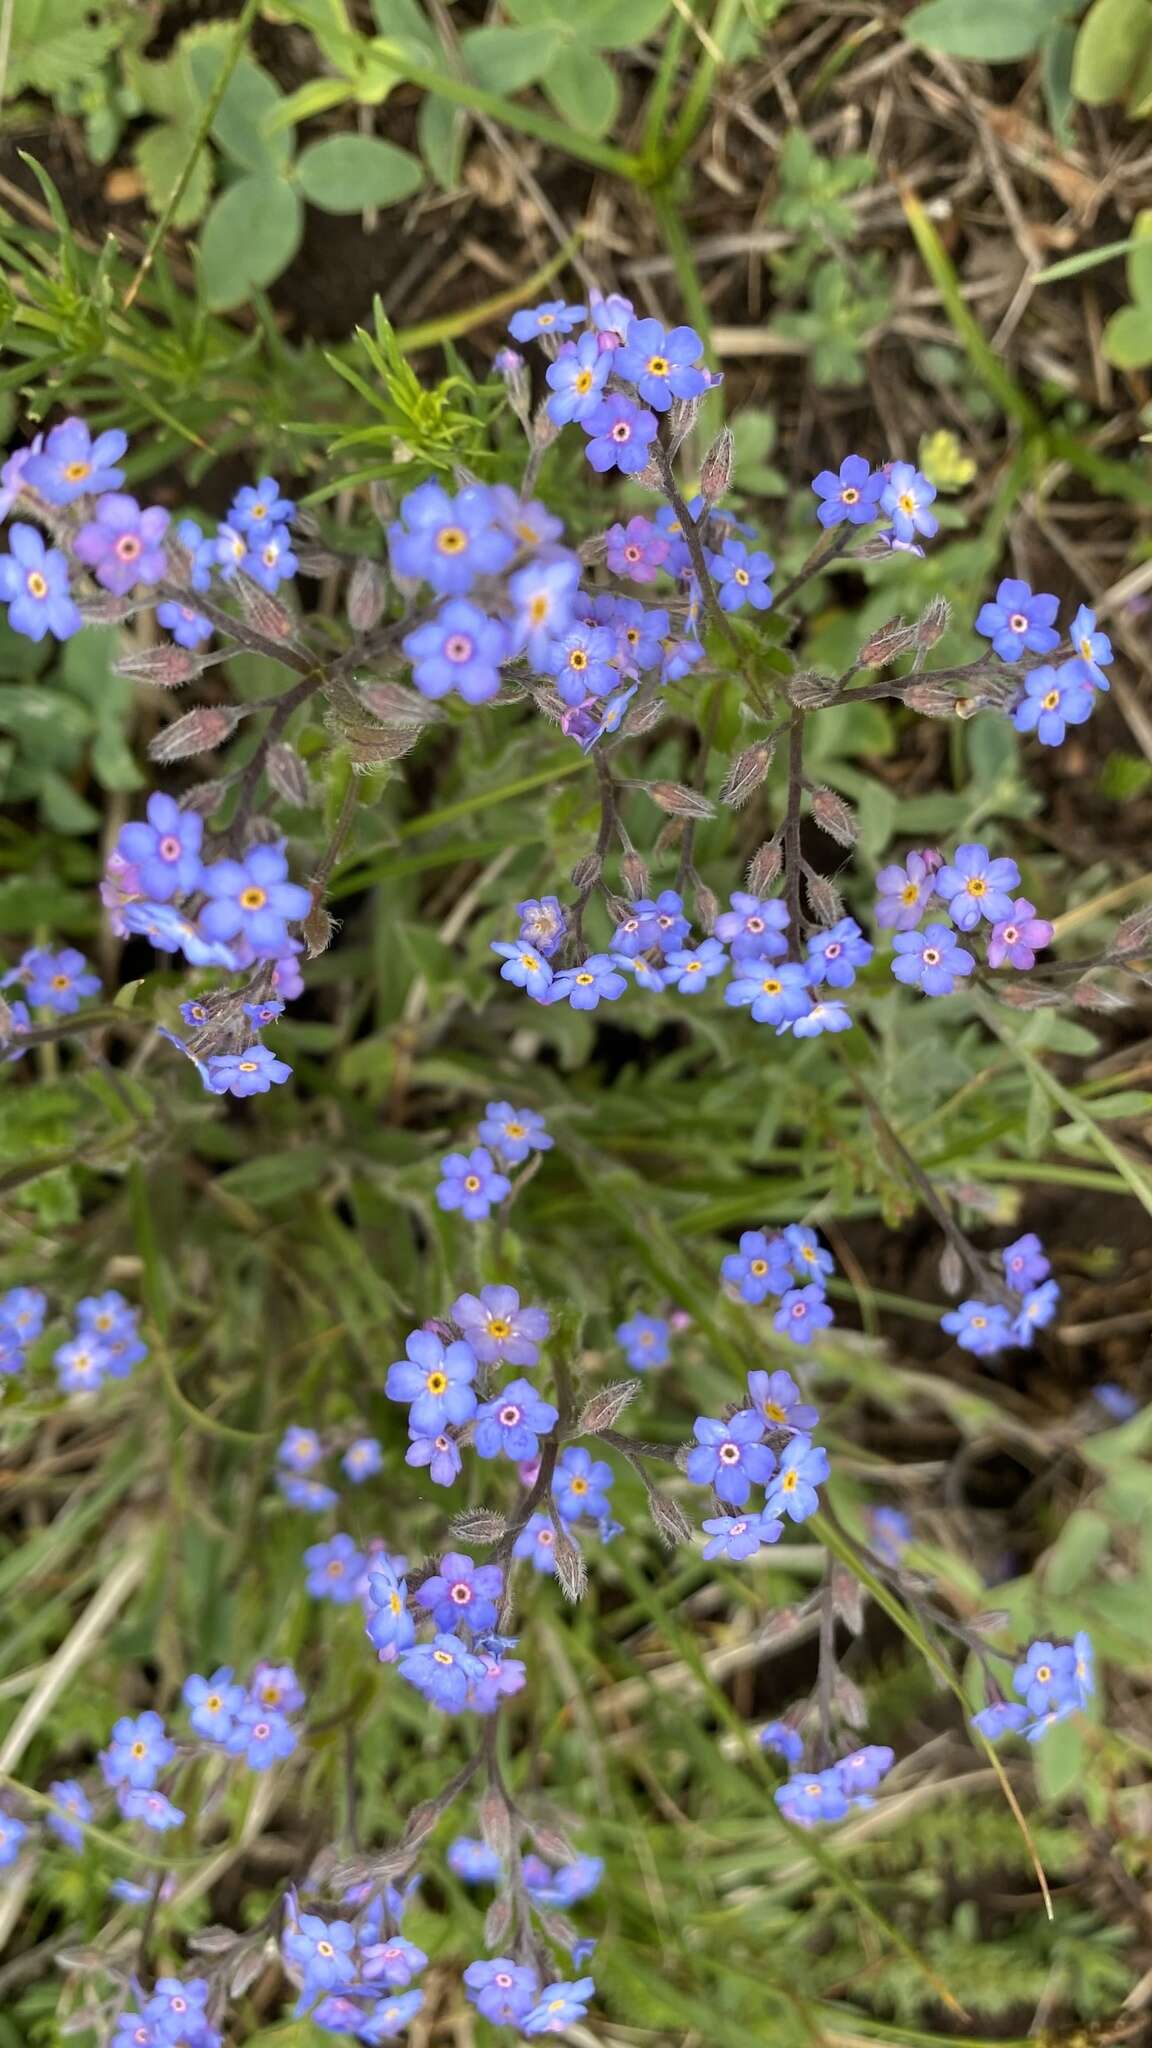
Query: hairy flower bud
[
  {"x": 587, "y": 871},
  {"x": 716, "y": 470},
  {"x": 707, "y": 906},
  {"x": 848, "y": 1601},
  {"x": 571, "y": 1570},
  {"x": 641, "y": 716},
  {"x": 367, "y": 595},
  {"x": 318, "y": 561},
  {"x": 478, "y": 1525},
  {"x": 511, "y": 367},
  {"x": 264, "y": 612},
  {"x": 495, "y": 1823},
  {"x": 747, "y": 773},
  {"x": 198, "y": 732},
  {"x": 1134, "y": 933},
  {"x": 932, "y": 700},
  {"x": 826, "y": 902},
  {"x": 390, "y": 702},
  {"x": 835, "y": 817},
  {"x": 682, "y": 417},
  {"x": 205, "y": 798},
  {"x": 933, "y": 622},
  {"x": 497, "y": 1921},
  {"x": 847, "y": 1699},
  {"x": 107, "y": 610},
  {"x": 288, "y": 775},
  {"x": 764, "y": 867},
  {"x": 650, "y": 478},
  {"x": 951, "y": 1270},
  {"x": 895, "y": 637},
  {"x": 167, "y": 666},
  {"x": 1092, "y": 995},
  {"x": 679, "y": 801},
  {"x": 809, "y": 690},
  {"x": 317, "y": 931},
  {"x": 606, "y": 1406},
  {"x": 635, "y": 874},
  {"x": 671, "y": 1523}
]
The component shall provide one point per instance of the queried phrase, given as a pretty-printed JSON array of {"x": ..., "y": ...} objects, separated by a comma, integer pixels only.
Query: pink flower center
[
  {"x": 621, "y": 431},
  {"x": 170, "y": 848},
  {"x": 458, "y": 647},
  {"x": 1018, "y": 623},
  {"x": 128, "y": 547},
  {"x": 461, "y": 1593},
  {"x": 931, "y": 957},
  {"x": 729, "y": 1454},
  {"x": 510, "y": 1416}
]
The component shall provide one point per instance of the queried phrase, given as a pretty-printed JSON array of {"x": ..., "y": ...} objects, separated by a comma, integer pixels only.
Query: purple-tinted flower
[
  {"x": 537, "y": 1542},
  {"x": 596, "y": 980},
  {"x": 1047, "y": 1677},
  {"x": 1017, "y": 938},
  {"x": 322, "y": 1950},
  {"x": 690, "y": 968},
  {"x": 662, "y": 366},
  {"x": 610, "y": 313},
  {"x": 523, "y": 966},
  {"x": 583, "y": 663},
  {"x": 441, "y": 1454},
  {"x": 462, "y": 1591},
  {"x": 982, "y": 1327},
  {"x": 253, "y": 899},
  {"x": 68, "y": 1826},
  {"x": 12, "y": 474},
  {"x": 277, "y": 1686},
  {"x": 1054, "y": 699},
  {"x": 213, "y": 1703},
  {"x": 528, "y": 522},
  {"x": 470, "y": 1183},
  {"x": 975, "y": 886},
  {"x": 931, "y": 960},
  {"x": 681, "y": 655},
  {"x": 460, "y": 649},
  {"x": 389, "y": 2018},
  {"x": 803, "y": 1467},
  {"x": 542, "y": 923},
  {"x": 782, "y": 1741},
  {"x": 825, "y": 1016},
  {"x": 560, "y": 2005},
  {"x": 448, "y": 541},
  {"x": 335, "y": 1570},
  {"x": 394, "y": 1962},
  {"x": 165, "y": 852},
  {"x": 188, "y": 627},
  {"x": 739, "y": 1536},
  {"x": 1116, "y": 1401},
  {"x": 269, "y": 558},
  {"x": 543, "y": 594},
  {"x": 34, "y": 586},
  {"x": 577, "y": 379},
  {"x": 503, "y": 1677},
  {"x": 851, "y": 493},
  {"x": 474, "y": 1861},
  {"x": 23, "y": 1310},
  {"x": 645, "y": 1341},
  {"x": 581, "y": 1485},
  {"x": 81, "y": 1365},
  {"x": 1036, "y": 1311},
  {"x": 835, "y": 954},
  {"x": 71, "y": 463},
  {"x": 759, "y": 1268},
  {"x": 551, "y": 316},
  {"x": 754, "y": 927},
  {"x": 778, "y": 1399},
  {"x": 58, "y": 981},
  {"x": 905, "y": 497},
  {"x": 137, "y": 1752},
  {"x": 300, "y": 1449},
  {"x": 362, "y": 1460},
  {"x": 259, "y": 505},
  {"x": 501, "y": 1989},
  {"x": 904, "y": 892},
  {"x": 13, "y": 1835},
  {"x": 865, "y": 1768},
  {"x": 637, "y": 550},
  {"x": 514, "y": 1133},
  {"x": 513, "y": 1423},
  {"x": 741, "y": 576},
  {"x": 436, "y": 1379},
  {"x": 1004, "y": 1717},
  {"x": 122, "y": 545},
  {"x": 498, "y": 1329},
  {"x": 252, "y": 1072},
  {"x": 261, "y": 1736},
  {"x": 390, "y": 1626},
  {"x": 890, "y": 1531},
  {"x": 156, "y": 1811},
  {"x": 811, "y": 1797},
  {"x": 619, "y": 434},
  {"x": 1025, "y": 1262},
  {"x": 777, "y": 993},
  {"x": 1092, "y": 649},
  {"x": 309, "y": 1494},
  {"x": 443, "y": 1670},
  {"x": 1018, "y": 621},
  {"x": 731, "y": 1456}
]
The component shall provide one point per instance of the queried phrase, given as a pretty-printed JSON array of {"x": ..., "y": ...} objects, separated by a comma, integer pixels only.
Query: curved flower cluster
[
  {"x": 56, "y": 982},
  {"x": 105, "y": 1343},
  {"x": 792, "y": 1266},
  {"x": 1052, "y": 697},
  {"x": 808, "y": 1797},
  {"x": 302, "y": 1450},
  {"x": 973, "y": 890},
  {"x": 174, "y": 2015},
  {"x": 986, "y": 1327},
  {"x": 1052, "y": 1682}
]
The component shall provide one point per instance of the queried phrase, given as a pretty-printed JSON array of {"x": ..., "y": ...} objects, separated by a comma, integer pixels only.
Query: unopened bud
[
  {"x": 826, "y": 902},
  {"x": 367, "y": 595},
  {"x": 606, "y": 1406},
  {"x": 288, "y": 775},
  {"x": 847, "y": 1599},
  {"x": 671, "y": 1523},
  {"x": 265, "y": 612},
  {"x": 261, "y": 830},
  {"x": 392, "y": 704},
  {"x": 808, "y": 690},
  {"x": 318, "y": 561},
  {"x": 951, "y": 1270},
  {"x": 635, "y": 875},
  {"x": 932, "y": 700},
  {"x": 1092, "y": 995},
  {"x": 668, "y": 837},
  {"x": 571, "y": 1570},
  {"x": 716, "y": 471},
  {"x": 497, "y": 1921},
  {"x": 679, "y": 801},
  {"x": 167, "y": 666},
  {"x": 250, "y": 1966},
  {"x": 205, "y": 798},
  {"x": 746, "y": 774},
  {"x": 197, "y": 733},
  {"x": 495, "y": 1824},
  {"x": 1134, "y": 934},
  {"x": 554, "y": 1845},
  {"x": 478, "y": 1525},
  {"x": 933, "y": 622},
  {"x": 650, "y": 478},
  {"x": 318, "y": 930},
  {"x": 764, "y": 867},
  {"x": 641, "y": 716},
  {"x": 895, "y": 637},
  {"x": 305, "y": 522},
  {"x": 707, "y": 906},
  {"x": 1028, "y": 995},
  {"x": 848, "y": 1701},
  {"x": 106, "y": 610},
  {"x": 682, "y": 418},
  {"x": 587, "y": 871},
  {"x": 544, "y": 429},
  {"x": 835, "y": 817}
]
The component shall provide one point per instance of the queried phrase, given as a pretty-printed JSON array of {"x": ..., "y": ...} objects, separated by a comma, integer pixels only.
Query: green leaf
[
  {"x": 507, "y": 59},
  {"x": 112, "y": 761},
  {"x": 1112, "y": 41},
  {"x": 584, "y": 88},
  {"x": 278, "y": 1175},
  {"x": 1140, "y": 261},
  {"x": 1056, "y": 54},
  {"x": 617, "y": 24},
  {"x": 244, "y": 126},
  {"x": 314, "y": 98},
  {"x": 345, "y": 173},
  {"x": 1059, "y": 1760},
  {"x": 989, "y": 31},
  {"x": 63, "y": 807},
  {"x": 55, "y": 44},
  {"x": 405, "y": 18},
  {"x": 440, "y": 131},
  {"x": 250, "y": 236},
  {"x": 1127, "y": 338},
  {"x": 161, "y": 154},
  {"x": 1078, "y": 1548}
]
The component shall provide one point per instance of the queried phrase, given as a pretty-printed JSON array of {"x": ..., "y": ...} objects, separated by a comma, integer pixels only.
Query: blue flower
[
  {"x": 754, "y": 927},
  {"x": 1083, "y": 1666},
  {"x": 503, "y": 1676},
  {"x": 802, "y": 1312},
  {"x": 362, "y": 1460},
  {"x": 759, "y": 1268},
  {"x": 807, "y": 1254},
  {"x": 803, "y": 1467},
  {"x": 778, "y": 1399},
  {"x": 13, "y": 1834},
  {"x": 436, "y": 1379},
  {"x": 256, "y": 506},
  {"x": 23, "y": 1310},
  {"x": 462, "y": 1591},
  {"x": 731, "y": 1456},
  {"x": 138, "y": 1751},
  {"x": 448, "y": 541},
  {"x": 178, "y": 2003},
  {"x": 851, "y": 493},
  {"x": 188, "y": 627},
  {"x": 577, "y": 379},
  {"x": 300, "y": 1449},
  {"x": 269, "y": 558},
  {"x": 810, "y": 1797},
  {"x": 474, "y": 1861},
  {"x": 67, "y": 1826},
  {"x": 559, "y": 2006},
  {"x": 501, "y": 1989},
  {"x": 528, "y": 522},
  {"x": 1054, "y": 699},
  {"x": 442, "y": 1670},
  {"x": 739, "y": 1536},
  {"x": 975, "y": 886},
  {"x": 122, "y": 545},
  {"x": 596, "y": 980},
  {"x": 645, "y": 1341},
  {"x": 537, "y": 1542},
  {"x": 1004, "y": 1717},
  {"x": 34, "y": 586},
  {"x": 335, "y": 1570},
  {"x": 262, "y": 1736},
  {"x": 390, "y": 2017},
  {"x": 252, "y": 1072},
  {"x": 470, "y": 1183},
  {"x": 1116, "y": 1401},
  {"x": 166, "y": 851},
  {"x": 394, "y": 1962},
  {"x": 153, "y": 1808},
  {"x": 170, "y": 931},
  {"x": 619, "y": 434},
  {"x": 58, "y": 981},
  {"x": 253, "y": 899},
  {"x": 310, "y": 1494},
  {"x": 72, "y": 463},
  {"x": 640, "y": 630},
  {"x": 931, "y": 959},
  {"x": 904, "y": 891},
  {"x": 690, "y": 968},
  {"x": 681, "y": 655},
  {"x": 835, "y": 954},
  {"x": 81, "y": 1365},
  {"x": 514, "y": 1133},
  {"x": 581, "y": 1485},
  {"x": 523, "y": 966},
  {"x": 441, "y": 1454},
  {"x": 498, "y": 1329},
  {"x": 390, "y": 1626},
  {"x": 741, "y": 577},
  {"x": 1093, "y": 649},
  {"x": 905, "y": 497},
  {"x": 551, "y": 316},
  {"x": 543, "y": 593},
  {"x": 460, "y": 649},
  {"x": 864, "y": 1769},
  {"x": 213, "y": 1703},
  {"x": 1018, "y": 621},
  {"x": 583, "y": 663},
  {"x": 662, "y": 366},
  {"x": 981, "y": 1327},
  {"x": 782, "y": 1741},
  {"x": 323, "y": 1950},
  {"x": 890, "y": 1531},
  {"x": 826, "y": 1016},
  {"x": 514, "y": 1422},
  {"x": 542, "y": 923},
  {"x": 778, "y": 994},
  {"x": 1036, "y": 1311},
  {"x": 1047, "y": 1677}
]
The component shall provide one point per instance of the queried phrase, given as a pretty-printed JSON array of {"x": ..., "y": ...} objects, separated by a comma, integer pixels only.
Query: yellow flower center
[
  {"x": 909, "y": 894},
  {"x": 758, "y": 1267},
  {"x": 850, "y": 495},
  {"x": 437, "y": 1381},
  {"x": 514, "y": 1131},
  {"x": 37, "y": 584},
  {"x": 499, "y": 1327},
  {"x": 582, "y": 382},
  {"x": 76, "y": 472},
  {"x": 1043, "y": 1673},
  {"x": 472, "y": 1183},
  {"x": 451, "y": 540},
  {"x": 1050, "y": 702},
  {"x": 578, "y": 659},
  {"x": 579, "y": 1485},
  {"x": 253, "y": 898},
  {"x": 976, "y": 885},
  {"x": 774, "y": 1412},
  {"x": 442, "y": 1656},
  {"x": 742, "y": 577},
  {"x": 585, "y": 980},
  {"x": 658, "y": 366}
]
